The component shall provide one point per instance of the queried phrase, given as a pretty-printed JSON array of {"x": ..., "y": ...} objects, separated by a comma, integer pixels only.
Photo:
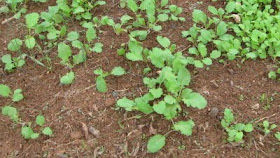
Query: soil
[{"x": 234, "y": 85}]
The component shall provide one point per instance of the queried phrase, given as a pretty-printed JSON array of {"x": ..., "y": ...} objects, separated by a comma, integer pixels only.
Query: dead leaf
[{"x": 85, "y": 129}]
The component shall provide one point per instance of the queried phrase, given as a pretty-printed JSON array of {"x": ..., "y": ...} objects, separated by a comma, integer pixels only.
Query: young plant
[
  {"x": 13, "y": 62},
  {"x": 235, "y": 131},
  {"x": 157, "y": 142},
  {"x": 5, "y": 91},
  {"x": 268, "y": 127},
  {"x": 28, "y": 133},
  {"x": 101, "y": 85}
]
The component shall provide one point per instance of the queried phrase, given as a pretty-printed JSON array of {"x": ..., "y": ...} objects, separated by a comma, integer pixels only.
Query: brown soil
[{"x": 121, "y": 134}]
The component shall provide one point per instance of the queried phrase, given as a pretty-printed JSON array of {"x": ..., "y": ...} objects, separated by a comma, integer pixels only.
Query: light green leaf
[
  {"x": 15, "y": 45},
  {"x": 64, "y": 52},
  {"x": 30, "y": 42},
  {"x": 169, "y": 99},
  {"x": 47, "y": 131},
  {"x": 68, "y": 78},
  {"x": 195, "y": 100},
  {"x": 98, "y": 47},
  {"x": 118, "y": 71},
  {"x": 7, "y": 58},
  {"x": 11, "y": 112},
  {"x": 163, "y": 41},
  {"x": 17, "y": 95},
  {"x": 185, "y": 127},
  {"x": 160, "y": 107},
  {"x": 40, "y": 120},
  {"x": 5, "y": 91},
  {"x": 157, "y": 93},
  {"x": 126, "y": 103},
  {"x": 199, "y": 16},
  {"x": 26, "y": 132},
  {"x": 202, "y": 49},
  {"x": 132, "y": 5},
  {"x": 221, "y": 28},
  {"x": 72, "y": 36},
  {"x": 32, "y": 20},
  {"x": 90, "y": 34},
  {"x": 101, "y": 85},
  {"x": 155, "y": 143}
]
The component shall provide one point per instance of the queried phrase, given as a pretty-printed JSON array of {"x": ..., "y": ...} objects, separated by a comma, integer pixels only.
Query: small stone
[
  {"x": 94, "y": 131},
  {"x": 76, "y": 135},
  {"x": 61, "y": 155},
  {"x": 115, "y": 94},
  {"x": 214, "y": 112},
  {"x": 236, "y": 18},
  {"x": 256, "y": 106}
]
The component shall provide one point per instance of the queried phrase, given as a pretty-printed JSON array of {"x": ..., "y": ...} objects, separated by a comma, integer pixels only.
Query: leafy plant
[
  {"x": 5, "y": 91},
  {"x": 267, "y": 127},
  {"x": 235, "y": 131},
  {"x": 28, "y": 133},
  {"x": 101, "y": 84},
  {"x": 167, "y": 91}
]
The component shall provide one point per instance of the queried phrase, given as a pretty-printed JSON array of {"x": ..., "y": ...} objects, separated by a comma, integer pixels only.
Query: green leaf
[
  {"x": 30, "y": 42},
  {"x": 40, "y": 120},
  {"x": 47, "y": 131},
  {"x": 7, "y": 58},
  {"x": 162, "y": 17},
  {"x": 163, "y": 41},
  {"x": 126, "y": 103},
  {"x": 101, "y": 85},
  {"x": 160, "y": 107},
  {"x": 221, "y": 28},
  {"x": 155, "y": 143},
  {"x": 118, "y": 71},
  {"x": 198, "y": 64},
  {"x": 248, "y": 128},
  {"x": 34, "y": 135},
  {"x": 185, "y": 127},
  {"x": 98, "y": 47},
  {"x": 207, "y": 61},
  {"x": 228, "y": 115},
  {"x": 230, "y": 6},
  {"x": 132, "y": 5},
  {"x": 90, "y": 34},
  {"x": 213, "y": 10},
  {"x": 202, "y": 49},
  {"x": 80, "y": 58},
  {"x": 68, "y": 78},
  {"x": 215, "y": 54},
  {"x": 169, "y": 99},
  {"x": 157, "y": 93},
  {"x": 26, "y": 132},
  {"x": 5, "y": 91},
  {"x": 15, "y": 45},
  {"x": 32, "y": 20},
  {"x": 163, "y": 3},
  {"x": 17, "y": 95},
  {"x": 72, "y": 36},
  {"x": 238, "y": 136},
  {"x": 195, "y": 100},
  {"x": 184, "y": 77},
  {"x": 64, "y": 52},
  {"x": 11, "y": 112},
  {"x": 199, "y": 16}
]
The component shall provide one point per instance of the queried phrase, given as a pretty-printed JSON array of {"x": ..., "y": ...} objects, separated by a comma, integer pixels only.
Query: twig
[{"x": 8, "y": 20}]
